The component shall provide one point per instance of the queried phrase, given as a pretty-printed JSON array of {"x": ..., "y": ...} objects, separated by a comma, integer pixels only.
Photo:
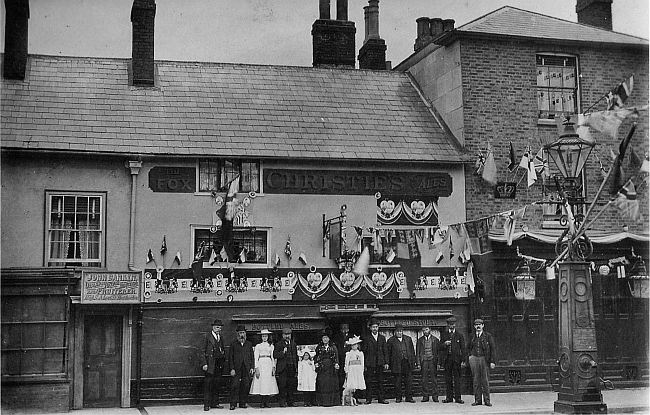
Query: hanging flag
[
  {"x": 635, "y": 160},
  {"x": 490, "y": 168},
  {"x": 467, "y": 249},
  {"x": 471, "y": 285},
  {"x": 149, "y": 256},
  {"x": 402, "y": 245},
  {"x": 617, "y": 182},
  {"x": 213, "y": 257},
  {"x": 451, "y": 249},
  {"x": 439, "y": 257},
  {"x": 608, "y": 122},
  {"x": 303, "y": 258},
  {"x": 361, "y": 267},
  {"x": 513, "y": 164},
  {"x": 163, "y": 247},
  {"x": 223, "y": 254},
  {"x": 242, "y": 255},
  {"x": 231, "y": 206},
  {"x": 510, "y": 224},
  {"x": 541, "y": 164},
  {"x": 627, "y": 203},
  {"x": 276, "y": 259},
  {"x": 645, "y": 167},
  {"x": 531, "y": 173},
  {"x": 287, "y": 247},
  {"x": 390, "y": 256},
  {"x": 480, "y": 163},
  {"x": 525, "y": 159},
  {"x": 619, "y": 94},
  {"x": 177, "y": 258}
]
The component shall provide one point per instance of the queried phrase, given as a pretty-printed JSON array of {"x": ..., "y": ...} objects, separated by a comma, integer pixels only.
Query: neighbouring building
[
  {"x": 118, "y": 244},
  {"x": 499, "y": 82}
]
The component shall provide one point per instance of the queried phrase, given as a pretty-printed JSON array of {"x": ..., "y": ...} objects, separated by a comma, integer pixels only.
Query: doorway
[{"x": 102, "y": 374}]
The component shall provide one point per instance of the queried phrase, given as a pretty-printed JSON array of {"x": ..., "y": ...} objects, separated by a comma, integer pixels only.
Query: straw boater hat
[
  {"x": 265, "y": 331},
  {"x": 354, "y": 340}
]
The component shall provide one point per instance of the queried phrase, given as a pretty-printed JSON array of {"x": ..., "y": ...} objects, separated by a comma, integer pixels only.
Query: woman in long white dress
[{"x": 264, "y": 383}]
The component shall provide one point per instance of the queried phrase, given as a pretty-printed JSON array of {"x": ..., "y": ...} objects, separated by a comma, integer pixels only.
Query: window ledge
[
  {"x": 35, "y": 379},
  {"x": 542, "y": 121}
]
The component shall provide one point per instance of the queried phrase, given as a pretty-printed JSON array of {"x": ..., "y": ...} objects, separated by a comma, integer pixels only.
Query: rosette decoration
[
  {"x": 379, "y": 283},
  {"x": 314, "y": 284},
  {"x": 347, "y": 284}
]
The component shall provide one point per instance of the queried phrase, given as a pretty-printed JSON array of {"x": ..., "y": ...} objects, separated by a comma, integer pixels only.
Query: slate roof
[
  {"x": 233, "y": 110},
  {"x": 510, "y": 21}
]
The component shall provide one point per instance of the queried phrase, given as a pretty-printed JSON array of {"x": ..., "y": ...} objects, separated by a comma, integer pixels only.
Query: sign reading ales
[
  {"x": 293, "y": 181},
  {"x": 111, "y": 287}
]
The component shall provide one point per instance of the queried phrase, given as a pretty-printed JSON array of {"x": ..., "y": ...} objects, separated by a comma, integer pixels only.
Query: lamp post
[{"x": 579, "y": 384}]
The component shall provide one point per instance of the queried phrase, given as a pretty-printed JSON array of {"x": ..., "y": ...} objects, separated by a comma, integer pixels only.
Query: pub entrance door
[{"x": 102, "y": 361}]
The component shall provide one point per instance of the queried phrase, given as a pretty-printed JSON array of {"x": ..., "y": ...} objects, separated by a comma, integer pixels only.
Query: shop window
[
  {"x": 75, "y": 229},
  {"x": 252, "y": 242},
  {"x": 34, "y": 335},
  {"x": 557, "y": 86},
  {"x": 215, "y": 174}
]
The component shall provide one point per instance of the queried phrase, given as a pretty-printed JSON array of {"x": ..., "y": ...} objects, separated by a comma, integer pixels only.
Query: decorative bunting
[
  {"x": 287, "y": 247},
  {"x": 149, "y": 256},
  {"x": 177, "y": 258},
  {"x": 490, "y": 168},
  {"x": 627, "y": 203},
  {"x": 163, "y": 247},
  {"x": 619, "y": 94}
]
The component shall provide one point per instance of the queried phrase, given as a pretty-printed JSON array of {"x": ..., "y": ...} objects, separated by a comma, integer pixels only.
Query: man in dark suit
[
  {"x": 481, "y": 351},
  {"x": 452, "y": 346},
  {"x": 213, "y": 357},
  {"x": 376, "y": 361},
  {"x": 426, "y": 354},
  {"x": 286, "y": 368},
  {"x": 242, "y": 367},
  {"x": 402, "y": 361},
  {"x": 341, "y": 345}
]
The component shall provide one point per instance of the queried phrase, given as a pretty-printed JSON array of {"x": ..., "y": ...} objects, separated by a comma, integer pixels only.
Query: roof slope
[
  {"x": 87, "y": 105},
  {"x": 510, "y": 21}
]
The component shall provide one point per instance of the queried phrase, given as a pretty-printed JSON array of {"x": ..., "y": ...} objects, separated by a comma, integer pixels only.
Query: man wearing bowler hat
[
  {"x": 213, "y": 357},
  {"x": 481, "y": 352},
  {"x": 452, "y": 346},
  {"x": 286, "y": 368},
  {"x": 402, "y": 362},
  {"x": 242, "y": 367},
  {"x": 375, "y": 361}
]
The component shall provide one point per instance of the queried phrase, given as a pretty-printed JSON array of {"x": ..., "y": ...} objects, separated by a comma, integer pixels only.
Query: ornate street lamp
[{"x": 579, "y": 390}]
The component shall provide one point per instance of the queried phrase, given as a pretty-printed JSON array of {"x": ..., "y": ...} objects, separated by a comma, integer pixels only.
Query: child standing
[
  {"x": 354, "y": 366},
  {"x": 307, "y": 378}
]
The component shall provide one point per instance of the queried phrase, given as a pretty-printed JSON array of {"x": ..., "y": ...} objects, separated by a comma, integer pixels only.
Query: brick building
[{"x": 486, "y": 78}]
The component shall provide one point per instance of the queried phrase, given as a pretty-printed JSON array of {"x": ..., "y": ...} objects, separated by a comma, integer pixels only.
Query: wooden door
[{"x": 102, "y": 361}]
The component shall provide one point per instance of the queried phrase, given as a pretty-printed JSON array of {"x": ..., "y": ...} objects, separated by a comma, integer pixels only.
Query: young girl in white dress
[
  {"x": 354, "y": 372},
  {"x": 264, "y": 383},
  {"x": 307, "y": 378}
]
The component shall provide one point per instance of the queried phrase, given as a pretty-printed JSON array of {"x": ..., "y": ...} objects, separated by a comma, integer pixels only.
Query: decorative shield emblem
[
  {"x": 347, "y": 279},
  {"x": 379, "y": 279},
  {"x": 314, "y": 279}
]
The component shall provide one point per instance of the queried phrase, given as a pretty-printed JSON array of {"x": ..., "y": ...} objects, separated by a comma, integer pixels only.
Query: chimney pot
[
  {"x": 595, "y": 13},
  {"x": 14, "y": 63},
  {"x": 373, "y": 19},
  {"x": 372, "y": 54},
  {"x": 342, "y": 10},
  {"x": 324, "y": 9},
  {"x": 423, "y": 32},
  {"x": 436, "y": 26},
  {"x": 448, "y": 25}
]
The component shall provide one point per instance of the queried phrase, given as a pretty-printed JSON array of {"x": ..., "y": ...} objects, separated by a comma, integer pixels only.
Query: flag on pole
[
  {"x": 163, "y": 247},
  {"x": 513, "y": 164},
  {"x": 627, "y": 203},
  {"x": 618, "y": 95},
  {"x": 242, "y": 255},
  {"x": 177, "y": 258},
  {"x": 361, "y": 267},
  {"x": 525, "y": 159},
  {"x": 480, "y": 163},
  {"x": 471, "y": 285},
  {"x": 510, "y": 224},
  {"x": 276, "y": 259},
  {"x": 439, "y": 257},
  {"x": 541, "y": 164},
  {"x": 303, "y": 258},
  {"x": 213, "y": 257},
  {"x": 617, "y": 182},
  {"x": 149, "y": 256},
  {"x": 490, "y": 168},
  {"x": 645, "y": 167},
  {"x": 223, "y": 254},
  {"x": 287, "y": 247},
  {"x": 390, "y": 256},
  {"x": 231, "y": 207}
]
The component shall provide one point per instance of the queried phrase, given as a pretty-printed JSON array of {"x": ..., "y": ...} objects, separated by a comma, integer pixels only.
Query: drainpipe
[{"x": 135, "y": 167}]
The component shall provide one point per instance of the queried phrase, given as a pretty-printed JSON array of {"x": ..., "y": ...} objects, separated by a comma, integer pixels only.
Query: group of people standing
[{"x": 347, "y": 364}]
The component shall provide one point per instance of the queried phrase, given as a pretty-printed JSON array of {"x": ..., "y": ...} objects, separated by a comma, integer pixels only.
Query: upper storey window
[
  {"x": 557, "y": 86},
  {"x": 215, "y": 174}
]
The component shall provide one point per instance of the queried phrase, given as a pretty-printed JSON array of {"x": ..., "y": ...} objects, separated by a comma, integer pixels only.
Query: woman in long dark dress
[{"x": 327, "y": 365}]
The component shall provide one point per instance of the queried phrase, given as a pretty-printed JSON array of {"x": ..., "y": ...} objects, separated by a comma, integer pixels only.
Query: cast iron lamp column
[{"x": 579, "y": 384}]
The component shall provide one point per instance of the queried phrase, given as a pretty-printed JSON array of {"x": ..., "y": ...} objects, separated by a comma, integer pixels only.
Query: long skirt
[{"x": 327, "y": 384}]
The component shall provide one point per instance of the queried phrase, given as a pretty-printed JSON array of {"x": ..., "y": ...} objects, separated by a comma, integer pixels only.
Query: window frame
[
  {"x": 222, "y": 179},
  {"x": 250, "y": 265},
  {"x": 52, "y": 262},
  {"x": 576, "y": 89}
]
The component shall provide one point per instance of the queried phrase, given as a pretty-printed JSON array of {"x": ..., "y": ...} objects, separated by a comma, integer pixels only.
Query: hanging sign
[{"x": 111, "y": 287}]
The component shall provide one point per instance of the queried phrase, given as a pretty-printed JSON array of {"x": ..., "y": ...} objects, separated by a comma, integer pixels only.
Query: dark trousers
[
  {"x": 429, "y": 379},
  {"x": 405, "y": 377},
  {"x": 287, "y": 385},
  {"x": 452, "y": 380},
  {"x": 211, "y": 385},
  {"x": 374, "y": 373},
  {"x": 480, "y": 378},
  {"x": 240, "y": 386}
]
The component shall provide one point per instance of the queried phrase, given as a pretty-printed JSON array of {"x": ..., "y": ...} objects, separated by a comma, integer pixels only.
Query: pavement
[{"x": 618, "y": 401}]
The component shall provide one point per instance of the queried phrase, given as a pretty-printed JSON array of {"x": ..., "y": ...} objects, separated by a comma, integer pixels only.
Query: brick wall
[
  {"x": 500, "y": 106},
  {"x": 333, "y": 43},
  {"x": 372, "y": 55},
  {"x": 34, "y": 397}
]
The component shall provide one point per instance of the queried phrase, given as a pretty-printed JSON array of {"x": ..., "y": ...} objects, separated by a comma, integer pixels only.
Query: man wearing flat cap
[
  {"x": 426, "y": 354},
  {"x": 286, "y": 369},
  {"x": 212, "y": 356},
  {"x": 375, "y": 361},
  {"x": 481, "y": 352},
  {"x": 452, "y": 355},
  {"x": 241, "y": 359},
  {"x": 402, "y": 362}
]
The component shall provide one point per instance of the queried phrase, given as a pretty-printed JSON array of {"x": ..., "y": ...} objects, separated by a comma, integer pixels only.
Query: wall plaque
[
  {"x": 111, "y": 287},
  {"x": 505, "y": 190},
  {"x": 172, "y": 179},
  {"x": 339, "y": 182}
]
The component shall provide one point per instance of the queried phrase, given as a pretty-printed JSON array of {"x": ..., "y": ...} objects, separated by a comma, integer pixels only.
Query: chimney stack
[
  {"x": 429, "y": 29},
  {"x": 595, "y": 13},
  {"x": 16, "y": 35},
  {"x": 372, "y": 54},
  {"x": 333, "y": 40},
  {"x": 143, "y": 14}
]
